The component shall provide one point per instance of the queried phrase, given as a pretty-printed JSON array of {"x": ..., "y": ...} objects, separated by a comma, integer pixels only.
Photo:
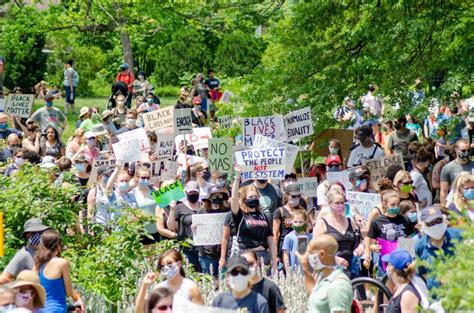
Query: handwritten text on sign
[
  {"x": 19, "y": 105},
  {"x": 308, "y": 186},
  {"x": 182, "y": 121},
  {"x": 262, "y": 163},
  {"x": 291, "y": 151},
  {"x": 298, "y": 124},
  {"x": 221, "y": 155},
  {"x": 224, "y": 121},
  {"x": 165, "y": 195},
  {"x": 159, "y": 119},
  {"x": 95, "y": 165},
  {"x": 164, "y": 146},
  {"x": 198, "y": 139},
  {"x": 378, "y": 167},
  {"x": 268, "y": 126},
  {"x": 127, "y": 150},
  {"x": 363, "y": 202},
  {"x": 140, "y": 134},
  {"x": 209, "y": 228}
]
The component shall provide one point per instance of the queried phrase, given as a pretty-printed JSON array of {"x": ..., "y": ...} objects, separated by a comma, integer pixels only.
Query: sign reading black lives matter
[
  {"x": 19, "y": 105},
  {"x": 298, "y": 124}
]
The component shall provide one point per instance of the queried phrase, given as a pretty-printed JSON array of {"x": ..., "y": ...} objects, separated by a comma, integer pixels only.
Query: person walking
[{"x": 71, "y": 80}]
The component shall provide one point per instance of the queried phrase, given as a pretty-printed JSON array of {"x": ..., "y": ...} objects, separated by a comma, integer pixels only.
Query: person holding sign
[{"x": 253, "y": 226}]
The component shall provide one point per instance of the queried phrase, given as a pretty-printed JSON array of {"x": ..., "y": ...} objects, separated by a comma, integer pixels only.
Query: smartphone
[{"x": 302, "y": 242}]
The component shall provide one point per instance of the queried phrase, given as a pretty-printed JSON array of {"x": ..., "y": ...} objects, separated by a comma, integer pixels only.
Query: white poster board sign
[
  {"x": 340, "y": 177},
  {"x": 298, "y": 124},
  {"x": 170, "y": 169},
  {"x": 268, "y": 126},
  {"x": 407, "y": 244},
  {"x": 225, "y": 98},
  {"x": 261, "y": 163},
  {"x": 198, "y": 139},
  {"x": 182, "y": 121},
  {"x": 291, "y": 151},
  {"x": 127, "y": 150},
  {"x": 209, "y": 228},
  {"x": 140, "y": 134},
  {"x": 159, "y": 119},
  {"x": 19, "y": 105},
  {"x": 165, "y": 146},
  {"x": 364, "y": 202},
  {"x": 308, "y": 186}
]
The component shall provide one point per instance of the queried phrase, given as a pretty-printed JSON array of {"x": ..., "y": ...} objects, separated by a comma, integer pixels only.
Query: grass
[{"x": 88, "y": 102}]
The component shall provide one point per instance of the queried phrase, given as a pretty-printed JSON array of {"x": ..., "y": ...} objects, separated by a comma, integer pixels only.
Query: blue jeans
[
  {"x": 193, "y": 259},
  {"x": 206, "y": 263},
  {"x": 70, "y": 98}
]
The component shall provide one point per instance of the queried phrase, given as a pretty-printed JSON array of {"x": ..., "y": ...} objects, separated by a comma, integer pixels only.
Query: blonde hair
[
  {"x": 459, "y": 182},
  {"x": 401, "y": 175},
  {"x": 386, "y": 195},
  {"x": 333, "y": 194},
  {"x": 406, "y": 275}
]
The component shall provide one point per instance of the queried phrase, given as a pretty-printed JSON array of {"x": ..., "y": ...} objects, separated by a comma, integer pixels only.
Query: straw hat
[{"x": 30, "y": 278}]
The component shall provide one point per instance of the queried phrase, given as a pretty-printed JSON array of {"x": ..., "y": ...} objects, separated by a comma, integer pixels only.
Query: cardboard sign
[
  {"x": 165, "y": 195},
  {"x": 127, "y": 150},
  {"x": 182, "y": 121},
  {"x": 159, "y": 119},
  {"x": 378, "y": 167},
  {"x": 224, "y": 121},
  {"x": 170, "y": 169},
  {"x": 95, "y": 165},
  {"x": 261, "y": 163},
  {"x": 165, "y": 146},
  {"x": 308, "y": 186},
  {"x": 209, "y": 228},
  {"x": 340, "y": 177},
  {"x": 364, "y": 202},
  {"x": 221, "y": 155},
  {"x": 198, "y": 139},
  {"x": 19, "y": 105},
  {"x": 291, "y": 151},
  {"x": 299, "y": 124},
  {"x": 225, "y": 98},
  {"x": 140, "y": 134},
  {"x": 268, "y": 126}
]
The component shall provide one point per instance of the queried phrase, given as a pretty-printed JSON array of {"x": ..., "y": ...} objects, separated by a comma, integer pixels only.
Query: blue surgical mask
[
  {"x": 80, "y": 167},
  {"x": 149, "y": 100},
  {"x": 468, "y": 194},
  {"x": 49, "y": 104},
  {"x": 123, "y": 186},
  {"x": 3, "y": 126},
  {"x": 412, "y": 216},
  {"x": 393, "y": 211},
  {"x": 143, "y": 182}
]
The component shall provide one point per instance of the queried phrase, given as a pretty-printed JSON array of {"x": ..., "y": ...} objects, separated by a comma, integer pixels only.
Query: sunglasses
[
  {"x": 162, "y": 308},
  {"x": 237, "y": 271},
  {"x": 407, "y": 183},
  {"x": 464, "y": 151},
  {"x": 295, "y": 196},
  {"x": 436, "y": 221},
  {"x": 145, "y": 177}
]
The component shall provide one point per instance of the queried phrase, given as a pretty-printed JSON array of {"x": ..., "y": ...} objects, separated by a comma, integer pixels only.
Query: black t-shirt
[
  {"x": 272, "y": 197},
  {"x": 183, "y": 216},
  {"x": 213, "y": 251},
  {"x": 390, "y": 228},
  {"x": 270, "y": 291},
  {"x": 254, "y": 229},
  {"x": 180, "y": 105},
  {"x": 285, "y": 221}
]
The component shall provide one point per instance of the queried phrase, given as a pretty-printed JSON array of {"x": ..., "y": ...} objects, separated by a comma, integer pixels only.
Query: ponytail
[{"x": 50, "y": 242}]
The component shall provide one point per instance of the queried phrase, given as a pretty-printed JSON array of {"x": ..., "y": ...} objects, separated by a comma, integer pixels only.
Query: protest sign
[
  {"x": 182, "y": 304},
  {"x": 154, "y": 167},
  {"x": 170, "y": 169},
  {"x": 225, "y": 98},
  {"x": 127, "y": 150},
  {"x": 19, "y": 105},
  {"x": 262, "y": 163},
  {"x": 165, "y": 195},
  {"x": 189, "y": 159},
  {"x": 268, "y": 126},
  {"x": 363, "y": 202},
  {"x": 378, "y": 167},
  {"x": 165, "y": 146},
  {"x": 95, "y": 165},
  {"x": 158, "y": 119},
  {"x": 340, "y": 177},
  {"x": 2, "y": 104},
  {"x": 221, "y": 155},
  {"x": 140, "y": 134},
  {"x": 182, "y": 121},
  {"x": 224, "y": 121},
  {"x": 298, "y": 124},
  {"x": 291, "y": 151},
  {"x": 209, "y": 228},
  {"x": 407, "y": 244},
  {"x": 198, "y": 139},
  {"x": 308, "y": 186}
]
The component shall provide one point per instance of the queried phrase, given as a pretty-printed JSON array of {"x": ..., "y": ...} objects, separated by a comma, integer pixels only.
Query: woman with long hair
[
  {"x": 54, "y": 274},
  {"x": 403, "y": 183},
  {"x": 335, "y": 148},
  {"x": 160, "y": 300},
  {"x": 52, "y": 145},
  {"x": 463, "y": 196}
]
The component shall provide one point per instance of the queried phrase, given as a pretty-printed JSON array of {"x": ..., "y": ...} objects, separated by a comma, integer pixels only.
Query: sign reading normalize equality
[
  {"x": 298, "y": 124},
  {"x": 165, "y": 195},
  {"x": 19, "y": 105},
  {"x": 262, "y": 163},
  {"x": 221, "y": 155},
  {"x": 159, "y": 119},
  {"x": 268, "y": 126},
  {"x": 378, "y": 167}
]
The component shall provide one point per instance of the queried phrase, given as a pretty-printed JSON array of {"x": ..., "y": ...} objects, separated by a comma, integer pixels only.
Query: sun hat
[
  {"x": 99, "y": 130},
  {"x": 83, "y": 111},
  {"x": 34, "y": 225}
]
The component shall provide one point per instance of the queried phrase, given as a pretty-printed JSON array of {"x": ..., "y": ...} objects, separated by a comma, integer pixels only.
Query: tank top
[
  {"x": 183, "y": 291},
  {"x": 55, "y": 294},
  {"x": 345, "y": 241},
  {"x": 394, "y": 305},
  {"x": 75, "y": 77},
  {"x": 146, "y": 204},
  {"x": 54, "y": 150}
]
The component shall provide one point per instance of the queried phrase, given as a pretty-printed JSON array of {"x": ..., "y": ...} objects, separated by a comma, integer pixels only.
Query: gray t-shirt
[
  {"x": 453, "y": 168},
  {"x": 52, "y": 117},
  {"x": 398, "y": 142},
  {"x": 253, "y": 302},
  {"x": 23, "y": 260}
]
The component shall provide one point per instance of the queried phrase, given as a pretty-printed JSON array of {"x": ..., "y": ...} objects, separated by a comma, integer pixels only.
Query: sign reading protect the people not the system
[{"x": 261, "y": 163}]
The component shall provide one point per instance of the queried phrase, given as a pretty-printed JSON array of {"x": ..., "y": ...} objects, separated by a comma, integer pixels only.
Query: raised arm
[{"x": 234, "y": 204}]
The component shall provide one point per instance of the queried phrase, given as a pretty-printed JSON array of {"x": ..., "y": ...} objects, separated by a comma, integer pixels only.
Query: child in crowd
[{"x": 291, "y": 243}]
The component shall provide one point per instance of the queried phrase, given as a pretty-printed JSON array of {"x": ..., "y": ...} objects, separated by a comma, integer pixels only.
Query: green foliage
[{"x": 167, "y": 91}]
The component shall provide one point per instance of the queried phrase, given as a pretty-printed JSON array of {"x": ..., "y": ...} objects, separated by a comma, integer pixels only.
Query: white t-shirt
[
  {"x": 421, "y": 187},
  {"x": 360, "y": 153},
  {"x": 321, "y": 193}
]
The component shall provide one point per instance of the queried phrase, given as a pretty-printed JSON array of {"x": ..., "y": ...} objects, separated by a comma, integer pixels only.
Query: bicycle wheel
[{"x": 371, "y": 295}]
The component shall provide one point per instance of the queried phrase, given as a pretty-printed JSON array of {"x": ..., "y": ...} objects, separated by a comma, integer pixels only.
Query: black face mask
[
  {"x": 262, "y": 181},
  {"x": 217, "y": 201},
  {"x": 192, "y": 197},
  {"x": 252, "y": 203},
  {"x": 206, "y": 175}
]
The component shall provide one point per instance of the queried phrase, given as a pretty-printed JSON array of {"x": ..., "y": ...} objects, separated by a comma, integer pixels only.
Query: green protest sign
[
  {"x": 165, "y": 195},
  {"x": 221, "y": 155}
]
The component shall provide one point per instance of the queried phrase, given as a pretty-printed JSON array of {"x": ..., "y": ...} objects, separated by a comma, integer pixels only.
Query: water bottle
[{"x": 234, "y": 250}]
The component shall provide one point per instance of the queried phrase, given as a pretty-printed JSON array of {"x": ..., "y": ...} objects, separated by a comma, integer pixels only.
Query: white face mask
[
  {"x": 239, "y": 283},
  {"x": 316, "y": 263},
  {"x": 169, "y": 271},
  {"x": 130, "y": 122},
  {"x": 436, "y": 232},
  {"x": 293, "y": 202}
]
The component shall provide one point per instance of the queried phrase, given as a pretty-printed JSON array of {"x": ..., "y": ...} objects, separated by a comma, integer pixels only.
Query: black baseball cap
[{"x": 238, "y": 261}]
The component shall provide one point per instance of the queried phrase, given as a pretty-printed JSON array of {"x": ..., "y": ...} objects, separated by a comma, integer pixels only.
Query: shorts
[{"x": 70, "y": 98}]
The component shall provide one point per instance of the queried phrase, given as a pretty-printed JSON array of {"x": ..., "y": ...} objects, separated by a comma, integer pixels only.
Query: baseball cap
[
  {"x": 89, "y": 134},
  {"x": 104, "y": 170},
  {"x": 34, "y": 225},
  {"x": 191, "y": 185},
  {"x": 237, "y": 261},
  {"x": 399, "y": 258},
  {"x": 333, "y": 159},
  {"x": 124, "y": 66},
  {"x": 364, "y": 131},
  {"x": 293, "y": 189},
  {"x": 359, "y": 171},
  {"x": 430, "y": 213},
  {"x": 215, "y": 190}
]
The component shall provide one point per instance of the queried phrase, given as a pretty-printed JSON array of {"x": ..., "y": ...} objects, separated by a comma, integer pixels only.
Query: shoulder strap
[{"x": 373, "y": 152}]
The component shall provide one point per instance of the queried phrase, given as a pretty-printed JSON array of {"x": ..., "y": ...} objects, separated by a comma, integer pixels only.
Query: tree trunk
[{"x": 127, "y": 50}]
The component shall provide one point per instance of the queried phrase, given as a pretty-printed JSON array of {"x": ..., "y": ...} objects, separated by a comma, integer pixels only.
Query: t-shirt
[
  {"x": 4, "y": 134},
  {"x": 45, "y": 117},
  {"x": 23, "y": 260},
  {"x": 361, "y": 153},
  {"x": 127, "y": 78},
  {"x": 421, "y": 187},
  {"x": 290, "y": 244},
  {"x": 253, "y": 302},
  {"x": 270, "y": 291},
  {"x": 284, "y": 216},
  {"x": 87, "y": 124},
  {"x": 254, "y": 229},
  {"x": 330, "y": 294},
  {"x": 212, "y": 82},
  {"x": 271, "y": 197},
  {"x": 390, "y": 228},
  {"x": 399, "y": 141},
  {"x": 453, "y": 168},
  {"x": 183, "y": 216}
]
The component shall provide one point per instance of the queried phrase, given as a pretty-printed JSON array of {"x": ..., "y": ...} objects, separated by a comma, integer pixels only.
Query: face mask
[
  {"x": 315, "y": 262},
  {"x": 436, "y": 231},
  {"x": 299, "y": 229},
  {"x": 396, "y": 126},
  {"x": 412, "y": 217},
  {"x": 333, "y": 150},
  {"x": 262, "y": 181},
  {"x": 406, "y": 188},
  {"x": 79, "y": 167},
  {"x": 123, "y": 186},
  {"x": 464, "y": 155},
  {"x": 23, "y": 298},
  {"x": 220, "y": 183},
  {"x": 34, "y": 239},
  {"x": 19, "y": 161},
  {"x": 207, "y": 175},
  {"x": 143, "y": 182},
  {"x": 7, "y": 308},
  {"x": 361, "y": 184},
  {"x": 252, "y": 203},
  {"x": 49, "y": 104},
  {"x": 293, "y": 202},
  {"x": 217, "y": 201},
  {"x": 192, "y": 197},
  {"x": 239, "y": 283},
  {"x": 169, "y": 271},
  {"x": 393, "y": 211},
  {"x": 130, "y": 122},
  {"x": 468, "y": 194},
  {"x": 338, "y": 208},
  {"x": 3, "y": 126},
  {"x": 149, "y": 100}
]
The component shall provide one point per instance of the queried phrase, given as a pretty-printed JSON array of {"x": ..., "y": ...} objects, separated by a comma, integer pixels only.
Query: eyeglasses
[
  {"x": 237, "y": 271},
  {"x": 436, "y": 221},
  {"x": 157, "y": 309},
  {"x": 407, "y": 183}
]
